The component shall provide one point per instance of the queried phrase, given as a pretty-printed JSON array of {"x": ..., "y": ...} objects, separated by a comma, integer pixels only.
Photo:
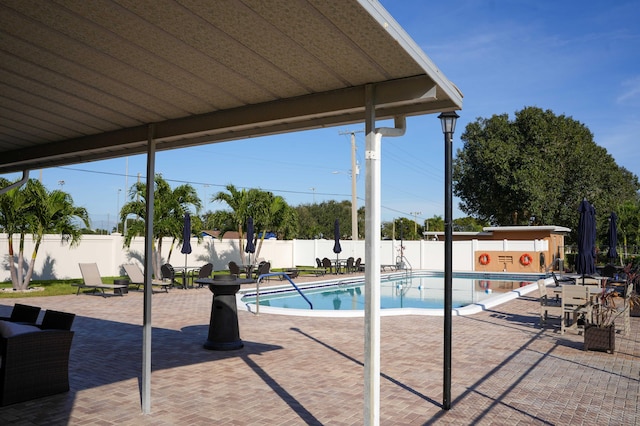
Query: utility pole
[
  {"x": 126, "y": 188},
  {"x": 354, "y": 175},
  {"x": 415, "y": 222}
]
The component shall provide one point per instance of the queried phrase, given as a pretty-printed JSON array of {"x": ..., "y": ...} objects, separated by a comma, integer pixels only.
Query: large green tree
[
  {"x": 32, "y": 209},
  {"x": 628, "y": 228},
  {"x": 317, "y": 220},
  {"x": 536, "y": 169},
  {"x": 170, "y": 206}
]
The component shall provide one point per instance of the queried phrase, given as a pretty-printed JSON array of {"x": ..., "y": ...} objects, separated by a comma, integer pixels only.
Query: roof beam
[{"x": 409, "y": 96}]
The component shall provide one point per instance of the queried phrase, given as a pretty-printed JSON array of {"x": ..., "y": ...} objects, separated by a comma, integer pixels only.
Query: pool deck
[{"x": 304, "y": 370}]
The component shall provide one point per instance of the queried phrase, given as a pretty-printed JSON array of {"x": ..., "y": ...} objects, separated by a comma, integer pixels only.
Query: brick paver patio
[{"x": 300, "y": 370}]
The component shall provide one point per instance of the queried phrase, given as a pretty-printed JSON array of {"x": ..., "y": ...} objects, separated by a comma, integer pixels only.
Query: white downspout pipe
[
  {"x": 25, "y": 177},
  {"x": 372, "y": 254}
]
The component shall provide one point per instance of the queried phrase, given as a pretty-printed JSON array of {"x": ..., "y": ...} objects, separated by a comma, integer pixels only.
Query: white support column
[
  {"x": 372, "y": 252},
  {"x": 372, "y": 271},
  {"x": 148, "y": 270}
]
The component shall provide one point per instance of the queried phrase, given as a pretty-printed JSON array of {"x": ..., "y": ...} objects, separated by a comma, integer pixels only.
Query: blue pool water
[{"x": 421, "y": 290}]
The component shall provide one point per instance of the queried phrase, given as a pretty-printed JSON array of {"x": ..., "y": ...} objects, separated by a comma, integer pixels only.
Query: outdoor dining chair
[
  {"x": 546, "y": 302},
  {"x": 326, "y": 263},
  {"x": 626, "y": 307},
  {"x": 234, "y": 269},
  {"x": 205, "y": 272},
  {"x": 169, "y": 274},
  {"x": 576, "y": 303},
  {"x": 263, "y": 268},
  {"x": 350, "y": 267}
]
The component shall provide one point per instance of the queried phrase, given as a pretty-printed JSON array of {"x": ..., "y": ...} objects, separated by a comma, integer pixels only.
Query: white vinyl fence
[{"x": 56, "y": 260}]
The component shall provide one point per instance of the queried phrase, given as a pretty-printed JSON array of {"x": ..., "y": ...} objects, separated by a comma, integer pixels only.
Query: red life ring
[
  {"x": 484, "y": 259},
  {"x": 526, "y": 259}
]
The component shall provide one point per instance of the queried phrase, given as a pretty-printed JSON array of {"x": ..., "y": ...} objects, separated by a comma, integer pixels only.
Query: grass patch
[
  {"x": 63, "y": 287},
  {"x": 51, "y": 288}
]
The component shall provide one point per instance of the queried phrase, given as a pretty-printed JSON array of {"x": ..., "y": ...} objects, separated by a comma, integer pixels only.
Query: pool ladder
[
  {"x": 281, "y": 275},
  {"x": 401, "y": 263}
]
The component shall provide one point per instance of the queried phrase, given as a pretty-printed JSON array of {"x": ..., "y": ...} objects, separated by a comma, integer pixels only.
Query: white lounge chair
[
  {"x": 136, "y": 276},
  {"x": 92, "y": 279}
]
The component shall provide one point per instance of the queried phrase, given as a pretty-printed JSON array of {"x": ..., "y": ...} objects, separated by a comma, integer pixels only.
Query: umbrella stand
[
  {"x": 186, "y": 246},
  {"x": 336, "y": 246},
  {"x": 184, "y": 283},
  {"x": 250, "y": 248}
]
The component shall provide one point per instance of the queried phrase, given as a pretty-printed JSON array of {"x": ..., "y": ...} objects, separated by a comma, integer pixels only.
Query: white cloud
[{"x": 631, "y": 91}]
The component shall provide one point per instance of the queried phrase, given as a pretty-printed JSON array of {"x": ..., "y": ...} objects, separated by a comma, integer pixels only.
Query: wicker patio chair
[
  {"x": 35, "y": 360},
  {"x": 23, "y": 313}
]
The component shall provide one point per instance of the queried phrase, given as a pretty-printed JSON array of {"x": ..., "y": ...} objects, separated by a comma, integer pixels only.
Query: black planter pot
[{"x": 600, "y": 338}]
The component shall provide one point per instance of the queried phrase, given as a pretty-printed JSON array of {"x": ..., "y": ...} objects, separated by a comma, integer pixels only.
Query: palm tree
[
  {"x": 239, "y": 201},
  {"x": 35, "y": 210},
  {"x": 170, "y": 206},
  {"x": 272, "y": 213}
]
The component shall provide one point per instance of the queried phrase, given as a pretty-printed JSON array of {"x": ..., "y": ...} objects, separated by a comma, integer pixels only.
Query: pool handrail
[{"x": 277, "y": 274}]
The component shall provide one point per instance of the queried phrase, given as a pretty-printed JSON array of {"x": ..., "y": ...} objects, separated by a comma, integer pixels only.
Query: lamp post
[
  {"x": 448, "y": 121},
  {"x": 118, "y": 210},
  {"x": 415, "y": 222}
]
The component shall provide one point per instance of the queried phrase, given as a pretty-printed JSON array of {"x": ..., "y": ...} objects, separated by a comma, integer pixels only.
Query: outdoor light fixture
[{"x": 448, "y": 121}]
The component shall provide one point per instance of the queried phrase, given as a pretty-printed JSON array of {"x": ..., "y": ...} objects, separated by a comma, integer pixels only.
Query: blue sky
[{"x": 580, "y": 59}]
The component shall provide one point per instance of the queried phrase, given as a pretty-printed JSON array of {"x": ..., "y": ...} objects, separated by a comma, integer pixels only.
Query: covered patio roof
[{"x": 83, "y": 81}]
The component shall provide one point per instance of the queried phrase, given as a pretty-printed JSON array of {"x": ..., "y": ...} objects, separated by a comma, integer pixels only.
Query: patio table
[
  {"x": 338, "y": 265},
  {"x": 248, "y": 269},
  {"x": 185, "y": 273},
  {"x": 224, "y": 333}
]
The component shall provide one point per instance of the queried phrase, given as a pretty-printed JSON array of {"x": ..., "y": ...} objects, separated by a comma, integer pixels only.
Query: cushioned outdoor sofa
[{"x": 35, "y": 358}]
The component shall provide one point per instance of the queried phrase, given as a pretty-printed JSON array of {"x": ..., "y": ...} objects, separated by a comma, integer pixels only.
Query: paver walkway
[{"x": 297, "y": 370}]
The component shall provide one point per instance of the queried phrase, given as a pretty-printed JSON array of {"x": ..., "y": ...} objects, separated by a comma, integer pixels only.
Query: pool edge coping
[{"x": 471, "y": 309}]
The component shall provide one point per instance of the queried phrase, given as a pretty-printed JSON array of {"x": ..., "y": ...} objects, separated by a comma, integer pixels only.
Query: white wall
[{"x": 59, "y": 261}]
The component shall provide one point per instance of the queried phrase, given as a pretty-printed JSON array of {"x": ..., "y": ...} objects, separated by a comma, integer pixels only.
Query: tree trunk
[
  {"x": 12, "y": 263},
  {"x": 241, "y": 245},
  {"x": 264, "y": 232},
  {"x": 19, "y": 269},
  {"x": 173, "y": 242}
]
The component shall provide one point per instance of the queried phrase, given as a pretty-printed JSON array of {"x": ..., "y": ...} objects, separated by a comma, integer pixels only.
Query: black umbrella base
[
  {"x": 224, "y": 333},
  {"x": 223, "y": 346}
]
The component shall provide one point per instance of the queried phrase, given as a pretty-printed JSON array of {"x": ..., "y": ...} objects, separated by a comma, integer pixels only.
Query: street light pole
[
  {"x": 118, "y": 210},
  {"x": 354, "y": 198},
  {"x": 448, "y": 121}
]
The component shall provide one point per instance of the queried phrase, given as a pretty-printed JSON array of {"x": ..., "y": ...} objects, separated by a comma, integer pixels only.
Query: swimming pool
[{"x": 418, "y": 293}]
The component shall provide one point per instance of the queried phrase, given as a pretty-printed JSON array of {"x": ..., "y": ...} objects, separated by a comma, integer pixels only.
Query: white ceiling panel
[{"x": 84, "y": 80}]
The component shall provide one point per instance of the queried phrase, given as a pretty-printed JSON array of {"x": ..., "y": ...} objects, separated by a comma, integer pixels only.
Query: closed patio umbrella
[
  {"x": 336, "y": 238},
  {"x": 585, "y": 262},
  {"x": 186, "y": 245},
  {"x": 250, "y": 247},
  {"x": 613, "y": 237}
]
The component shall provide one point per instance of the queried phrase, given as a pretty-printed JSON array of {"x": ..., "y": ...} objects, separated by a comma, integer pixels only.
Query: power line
[{"x": 275, "y": 191}]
